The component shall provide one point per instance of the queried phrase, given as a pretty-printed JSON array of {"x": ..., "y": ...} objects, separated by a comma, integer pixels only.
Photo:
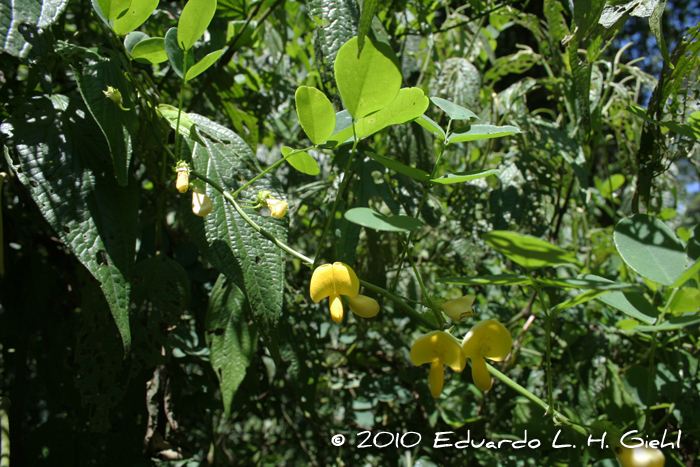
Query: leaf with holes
[
  {"x": 62, "y": 158},
  {"x": 230, "y": 338}
]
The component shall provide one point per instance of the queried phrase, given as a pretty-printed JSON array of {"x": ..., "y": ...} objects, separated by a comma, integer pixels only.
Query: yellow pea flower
[
  {"x": 201, "y": 203},
  {"x": 183, "y": 179},
  {"x": 334, "y": 280},
  {"x": 438, "y": 348},
  {"x": 639, "y": 457},
  {"x": 278, "y": 207},
  {"x": 459, "y": 308},
  {"x": 364, "y": 306},
  {"x": 487, "y": 339}
]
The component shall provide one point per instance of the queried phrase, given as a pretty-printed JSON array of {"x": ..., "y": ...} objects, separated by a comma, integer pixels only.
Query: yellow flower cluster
[
  {"x": 334, "y": 280},
  {"x": 487, "y": 339}
]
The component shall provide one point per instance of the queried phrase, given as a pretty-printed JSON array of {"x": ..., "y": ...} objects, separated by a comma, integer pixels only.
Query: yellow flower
[
  {"x": 333, "y": 281},
  {"x": 459, "y": 308},
  {"x": 639, "y": 457},
  {"x": 364, "y": 306},
  {"x": 487, "y": 339},
  {"x": 201, "y": 203},
  {"x": 278, "y": 207},
  {"x": 183, "y": 179},
  {"x": 438, "y": 348}
]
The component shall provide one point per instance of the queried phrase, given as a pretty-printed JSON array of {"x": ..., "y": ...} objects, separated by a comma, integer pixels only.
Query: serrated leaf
[
  {"x": 226, "y": 240},
  {"x": 372, "y": 219},
  {"x": 139, "y": 12},
  {"x": 134, "y": 38},
  {"x": 461, "y": 177},
  {"x": 202, "y": 65},
  {"x": 62, "y": 159},
  {"x": 150, "y": 51},
  {"x": 369, "y": 8},
  {"x": 430, "y": 125},
  {"x": 499, "y": 279},
  {"x": 316, "y": 114},
  {"x": 231, "y": 340},
  {"x": 409, "y": 104},
  {"x": 399, "y": 167},
  {"x": 187, "y": 127},
  {"x": 116, "y": 124},
  {"x": 176, "y": 55},
  {"x": 528, "y": 251},
  {"x": 649, "y": 247},
  {"x": 113, "y": 9},
  {"x": 454, "y": 111},
  {"x": 477, "y": 132},
  {"x": 301, "y": 161},
  {"x": 369, "y": 82},
  {"x": 194, "y": 20},
  {"x": 41, "y": 14}
]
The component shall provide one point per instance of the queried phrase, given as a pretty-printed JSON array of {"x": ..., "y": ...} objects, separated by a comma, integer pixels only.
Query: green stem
[
  {"x": 548, "y": 340},
  {"x": 347, "y": 175},
  {"x": 4, "y": 432},
  {"x": 179, "y": 109},
  {"x": 410, "y": 310},
  {"x": 651, "y": 383},
  {"x": 267, "y": 170},
  {"x": 250, "y": 221},
  {"x": 422, "y": 286}
]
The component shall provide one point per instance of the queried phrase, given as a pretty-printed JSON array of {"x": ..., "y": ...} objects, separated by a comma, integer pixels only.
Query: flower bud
[
  {"x": 201, "y": 203},
  {"x": 183, "y": 179},
  {"x": 113, "y": 94},
  {"x": 363, "y": 306},
  {"x": 278, "y": 207}
]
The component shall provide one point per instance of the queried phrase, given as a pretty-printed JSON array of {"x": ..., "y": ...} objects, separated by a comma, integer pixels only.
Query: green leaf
[
  {"x": 409, "y": 104},
  {"x": 687, "y": 274},
  {"x": 342, "y": 133},
  {"x": 370, "y": 82},
  {"x": 113, "y": 9},
  {"x": 477, "y": 132},
  {"x": 134, "y": 38},
  {"x": 231, "y": 340},
  {"x": 454, "y": 111},
  {"x": 632, "y": 304},
  {"x": 202, "y": 65},
  {"x": 399, "y": 167},
  {"x": 187, "y": 127},
  {"x": 499, "y": 279},
  {"x": 672, "y": 324},
  {"x": 62, "y": 159},
  {"x": 527, "y": 251},
  {"x": 577, "y": 300},
  {"x": 175, "y": 54},
  {"x": 194, "y": 20},
  {"x": 686, "y": 300},
  {"x": 649, "y": 247},
  {"x": 449, "y": 178},
  {"x": 372, "y": 219},
  {"x": 301, "y": 161},
  {"x": 588, "y": 281},
  {"x": 138, "y": 13},
  {"x": 369, "y": 8},
  {"x": 14, "y": 13},
  {"x": 150, "y": 51},
  {"x": 226, "y": 240},
  {"x": 116, "y": 124},
  {"x": 316, "y": 114},
  {"x": 431, "y": 126},
  {"x": 610, "y": 185},
  {"x": 655, "y": 26}
]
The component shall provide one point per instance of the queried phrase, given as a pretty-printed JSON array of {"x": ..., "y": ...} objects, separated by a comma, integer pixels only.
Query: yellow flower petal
[
  {"x": 480, "y": 374},
  {"x": 201, "y": 203},
  {"x": 438, "y": 346},
  {"x": 436, "y": 379},
  {"x": 336, "y": 306},
  {"x": 338, "y": 278},
  {"x": 278, "y": 207},
  {"x": 639, "y": 457},
  {"x": 488, "y": 338},
  {"x": 364, "y": 306},
  {"x": 459, "y": 308}
]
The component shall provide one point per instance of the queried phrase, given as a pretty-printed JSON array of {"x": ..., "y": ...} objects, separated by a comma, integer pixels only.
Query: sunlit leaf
[
  {"x": 301, "y": 161},
  {"x": 528, "y": 251},
  {"x": 194, "y": 20},
  {"x": 316, "y": 114},
  {"x": 375, "y": 220}
]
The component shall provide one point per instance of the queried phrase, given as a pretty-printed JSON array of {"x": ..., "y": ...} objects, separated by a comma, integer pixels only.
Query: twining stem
[
  {"x": 347, "y": 175},
  {"x": 267, "y": 170},
  {"x": 437, "y": 314},
  {"x": 651, "y": 383},
  {"x": 547, "y": 340},
  {"x": 409, "y": 309},
  {"x": 178, "y": 138}
]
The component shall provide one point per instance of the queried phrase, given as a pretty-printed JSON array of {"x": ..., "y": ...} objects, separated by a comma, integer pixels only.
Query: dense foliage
[{"x": 500, "y": 161}]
